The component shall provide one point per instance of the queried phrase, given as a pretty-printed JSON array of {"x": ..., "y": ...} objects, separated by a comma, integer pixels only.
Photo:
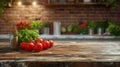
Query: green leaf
[
  {"x": 114, "y": 29},
  {"x": 70, "y": 28},
  {"x": 45, "y": 23},
  {"x": 112, "y": 4},
  {"x": 76, "y": 29},
  {"x": 27, "y": 35},
  {"x": 3, "y": 4},
  {"x": 91, "y": 24},
  {"x": 63, "y": 29},
  {"x": 1, "y": 10},
  {"x": 100, "y": 24},
  {"x": 36, "y": 24}
]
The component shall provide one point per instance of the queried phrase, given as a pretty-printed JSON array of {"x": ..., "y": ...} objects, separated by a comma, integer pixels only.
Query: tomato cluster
[
  {"x": 37, "y": 46},
  {"x": 23, "y": 25},
  {"x": 84, "y": 24}
]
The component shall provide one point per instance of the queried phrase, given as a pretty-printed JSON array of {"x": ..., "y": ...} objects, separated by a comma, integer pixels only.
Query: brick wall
[{"x": 64, "y": 14}]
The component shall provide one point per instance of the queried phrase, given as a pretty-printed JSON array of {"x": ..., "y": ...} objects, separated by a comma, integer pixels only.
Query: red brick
[{"x": 64, "y": 14}]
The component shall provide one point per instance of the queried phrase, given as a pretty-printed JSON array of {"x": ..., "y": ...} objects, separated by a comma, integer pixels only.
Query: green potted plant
[
  {"x": 100, "y": 26},
  {"x": 70, "y": 28},
  {"x": 75, "y": 29},
  {"x": 114, "y": 28},
  {"x": 112, "y": 4},
  {"x": 45, "y": 27},
  {"x": 3, "y": 4},
  {"x": 83, "y": 31},
  {"x": 91, "y": 25},
  {"x": 36, "y": 25},
  {"x": 106, "y": 24},
  {"x": 63, "y": 29}
]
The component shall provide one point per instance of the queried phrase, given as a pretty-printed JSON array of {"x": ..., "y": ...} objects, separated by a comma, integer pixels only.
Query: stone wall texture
[{"x": 64, "y": 13}]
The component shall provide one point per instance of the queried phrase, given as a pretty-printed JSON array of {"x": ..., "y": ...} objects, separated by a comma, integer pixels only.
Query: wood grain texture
[{"x": 67, "y": 51}]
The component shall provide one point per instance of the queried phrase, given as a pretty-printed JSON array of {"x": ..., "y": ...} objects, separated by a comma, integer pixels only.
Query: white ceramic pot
[
  {"x": 57, "y": 28},
  {"x": 99, "y": 31},
  {"x": 87, "y": 0},
  {"x": 91, "y": 31},
  {"x": 46, "y": 31}
]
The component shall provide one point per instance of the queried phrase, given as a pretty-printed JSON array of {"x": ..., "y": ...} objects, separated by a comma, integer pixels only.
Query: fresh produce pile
[
  {"x": 23, "y": 25},
  {"x": 29, "y": 38},
  {"x": 37, "y": 45}
]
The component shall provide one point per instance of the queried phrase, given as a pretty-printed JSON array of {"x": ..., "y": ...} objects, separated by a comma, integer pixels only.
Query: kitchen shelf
[
  {"x": 75, "y": 2},
  {"x": 60, "y": 4},
  {"x": 92, "y": 3}
]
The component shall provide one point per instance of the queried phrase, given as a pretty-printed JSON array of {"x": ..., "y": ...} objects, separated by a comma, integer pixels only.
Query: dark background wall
[{"x": 64, "y": 14}]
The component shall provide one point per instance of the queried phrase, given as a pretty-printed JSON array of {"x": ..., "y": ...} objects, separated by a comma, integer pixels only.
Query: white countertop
[
  {"x": 8, "y": 36},
  {"x": 77, "y": 37}
]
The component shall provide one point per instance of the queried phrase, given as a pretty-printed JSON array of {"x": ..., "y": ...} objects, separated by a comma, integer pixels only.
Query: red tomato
[
  {"x": 25, "y": 23},
  {"x": 21, "y": 23},
  {"x": 51, "y": 43},
  {"x": 22, "y": 45},
  {"x": 38, "y": 47},
  {"x": 40, "y": 40},
  {"x": 46, "y": 44},
  {"x": 28, "y": 24},
  {"x": 29, "y": 46}
]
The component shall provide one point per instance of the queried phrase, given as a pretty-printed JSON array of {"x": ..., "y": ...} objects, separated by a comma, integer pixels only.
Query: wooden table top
[{"x": 67, "y": 51}]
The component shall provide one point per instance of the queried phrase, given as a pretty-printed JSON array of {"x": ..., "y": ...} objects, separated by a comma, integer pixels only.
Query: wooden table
[{"x": 71, "y": 53}]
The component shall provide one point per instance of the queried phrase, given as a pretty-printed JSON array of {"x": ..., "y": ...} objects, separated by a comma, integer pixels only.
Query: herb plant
[
  {"x": 63, "y": 29},
  {"x": 100, "y": 24},
  {"x": 114, "y": 29},
  {"x": 75, "y": 29},
  {"x": 70, "y": 28},
  {"x": 46, "y": 23},
  {"x": 3, "y": 4},
  {"x": 91, "y": 24},
  {"x": 27, "y": 35},
  {"x": 35, "y": 24},
  {"x": 112, "y": 4}
]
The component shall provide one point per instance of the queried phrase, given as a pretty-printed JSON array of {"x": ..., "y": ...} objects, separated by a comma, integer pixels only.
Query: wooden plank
[{"x": 67, "y": 51}]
